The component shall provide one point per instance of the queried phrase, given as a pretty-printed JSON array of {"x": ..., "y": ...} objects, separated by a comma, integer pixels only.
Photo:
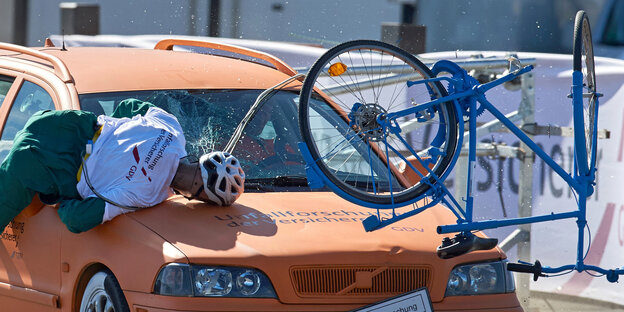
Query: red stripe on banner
[
  {"x": 579, "y": 281},
  {"x": 135, "y": 152}
]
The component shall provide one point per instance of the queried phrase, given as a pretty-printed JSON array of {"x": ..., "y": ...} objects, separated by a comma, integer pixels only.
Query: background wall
[{"x": 528, "y": 25}]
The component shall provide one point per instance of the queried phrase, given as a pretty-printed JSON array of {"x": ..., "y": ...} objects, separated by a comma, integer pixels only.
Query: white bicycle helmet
[{"x": 222, "y": 176}]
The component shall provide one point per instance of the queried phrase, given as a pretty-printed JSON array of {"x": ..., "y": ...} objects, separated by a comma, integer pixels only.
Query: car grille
[{"x": 359, "y": 280}]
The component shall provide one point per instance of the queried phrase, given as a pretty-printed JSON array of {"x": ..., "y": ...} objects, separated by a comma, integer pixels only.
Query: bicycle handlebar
[{"x": 535, "y": 269}]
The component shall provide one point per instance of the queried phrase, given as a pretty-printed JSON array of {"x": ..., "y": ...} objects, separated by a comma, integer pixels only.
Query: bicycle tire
[
  {"x": 585, "y": 110},
  {"x": 368, "y": 65}
]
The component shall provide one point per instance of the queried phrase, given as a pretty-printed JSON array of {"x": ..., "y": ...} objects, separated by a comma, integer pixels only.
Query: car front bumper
[{"x": 142, "y": 302}]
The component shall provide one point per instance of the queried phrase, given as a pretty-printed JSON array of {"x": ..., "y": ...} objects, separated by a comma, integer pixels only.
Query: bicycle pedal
[{"x": 462, "y": 244}]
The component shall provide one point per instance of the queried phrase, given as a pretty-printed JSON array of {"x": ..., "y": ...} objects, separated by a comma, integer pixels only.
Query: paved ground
[{"x": 547, "y": 302}]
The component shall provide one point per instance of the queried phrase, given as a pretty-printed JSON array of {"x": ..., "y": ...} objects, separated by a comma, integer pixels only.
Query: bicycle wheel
[
  {"x": 343, "y": 94},
  {"x": 584, "y": 100}
]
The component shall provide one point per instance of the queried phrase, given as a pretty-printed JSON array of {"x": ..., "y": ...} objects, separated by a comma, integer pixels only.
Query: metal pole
[
  {"x": 525, "y": 189},
  {"x": 214, "y": 15},
  {"x": 235, "y": 18},
  {"x": 192, "y": 19},
  {"x": 21, "y": 22}
]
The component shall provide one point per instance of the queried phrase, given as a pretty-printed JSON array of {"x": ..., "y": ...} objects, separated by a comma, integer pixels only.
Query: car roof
[{"x": 108, "y": 69}]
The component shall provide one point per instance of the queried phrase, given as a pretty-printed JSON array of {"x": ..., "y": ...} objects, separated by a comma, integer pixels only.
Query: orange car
[{"x": 280, "y": 247}]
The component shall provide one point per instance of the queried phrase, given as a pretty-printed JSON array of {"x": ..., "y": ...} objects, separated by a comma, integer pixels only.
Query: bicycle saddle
[{"x": 464, "y": 243}]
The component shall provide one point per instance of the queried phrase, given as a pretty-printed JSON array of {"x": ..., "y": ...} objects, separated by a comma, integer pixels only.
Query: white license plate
[{"x": 415, "y": 301}]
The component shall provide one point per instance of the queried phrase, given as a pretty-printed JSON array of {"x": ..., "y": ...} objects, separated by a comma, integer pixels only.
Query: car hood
[
  {"x": 283, "y": 233},
  {"x": 288, "y": 224}
]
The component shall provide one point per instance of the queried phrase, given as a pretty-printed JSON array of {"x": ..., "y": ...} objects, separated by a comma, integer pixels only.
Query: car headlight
[
  {"x": 177, "y": 279},
  {"x": 480, "y": 279}
]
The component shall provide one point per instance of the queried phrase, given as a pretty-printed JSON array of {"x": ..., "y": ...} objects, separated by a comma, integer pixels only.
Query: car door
[{"x": 30, "y": 244}]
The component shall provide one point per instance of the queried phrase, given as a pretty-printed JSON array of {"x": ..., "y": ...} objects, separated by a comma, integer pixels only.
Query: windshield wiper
[{"x": 291, "y": 180}]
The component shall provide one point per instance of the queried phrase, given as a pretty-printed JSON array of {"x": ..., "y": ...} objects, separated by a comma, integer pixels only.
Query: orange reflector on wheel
[{"x": 337, "y": 69}]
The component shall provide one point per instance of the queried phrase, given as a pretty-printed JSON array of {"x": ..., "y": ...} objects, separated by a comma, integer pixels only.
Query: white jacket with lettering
[{"x": 134, "y": 160}]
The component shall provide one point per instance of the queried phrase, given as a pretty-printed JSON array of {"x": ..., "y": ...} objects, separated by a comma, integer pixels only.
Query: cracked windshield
[{"x": 268, "y": 146}]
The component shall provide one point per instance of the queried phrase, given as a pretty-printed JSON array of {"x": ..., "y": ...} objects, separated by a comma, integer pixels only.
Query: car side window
[
  {"x": 30, "y": 99},
  {"x": 5, "y": 85}
]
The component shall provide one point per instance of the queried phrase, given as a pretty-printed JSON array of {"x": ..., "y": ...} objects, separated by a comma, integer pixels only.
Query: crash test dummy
[{"x": 96, "y": 168}]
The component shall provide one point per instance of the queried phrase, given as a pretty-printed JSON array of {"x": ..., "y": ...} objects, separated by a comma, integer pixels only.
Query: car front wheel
[{"x": 103, "y": 294}]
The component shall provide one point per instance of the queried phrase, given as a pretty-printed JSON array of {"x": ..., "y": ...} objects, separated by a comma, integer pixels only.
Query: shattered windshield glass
[{"x": 268, "y": 147}]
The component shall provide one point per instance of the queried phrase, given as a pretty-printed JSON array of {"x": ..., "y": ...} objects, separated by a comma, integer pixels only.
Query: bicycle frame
[
  {"x": 466, "y": 94},
  {"x": 474, "y": 94},
  {"x": 581, "y": 184}
]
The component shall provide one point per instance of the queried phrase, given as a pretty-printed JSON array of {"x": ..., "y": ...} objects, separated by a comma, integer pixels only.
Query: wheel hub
[{"x": 365, "y": 119}]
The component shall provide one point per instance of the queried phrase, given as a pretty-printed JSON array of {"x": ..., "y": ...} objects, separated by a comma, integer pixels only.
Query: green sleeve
[
  {"x": 131, "y": 107},
  {"x": 46, "y": 154},
  {"x": 14, "y": 198},
  {"x": 80, "y": 215}
]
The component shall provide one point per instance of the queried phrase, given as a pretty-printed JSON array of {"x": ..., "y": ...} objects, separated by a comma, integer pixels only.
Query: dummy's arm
[
  {"x": 131, "y": 107},
  {"x": 80, "y": 215},
  {"x": 14, "y": 197}
]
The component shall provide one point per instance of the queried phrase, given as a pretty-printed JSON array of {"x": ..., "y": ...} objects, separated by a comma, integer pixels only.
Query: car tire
[{"x": 103, "y": 294}]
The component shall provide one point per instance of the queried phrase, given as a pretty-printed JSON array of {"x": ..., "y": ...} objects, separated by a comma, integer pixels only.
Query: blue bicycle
[{"x": 382, "y": 130}]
